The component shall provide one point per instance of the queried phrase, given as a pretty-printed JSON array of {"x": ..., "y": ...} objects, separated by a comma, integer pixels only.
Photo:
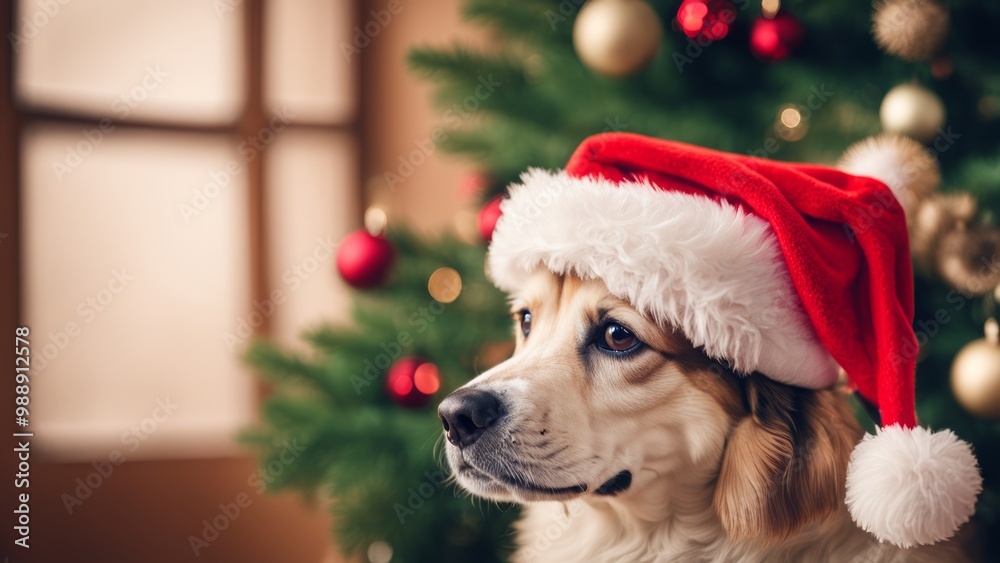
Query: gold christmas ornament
[
  {"x": 912, "y": 30},
  {"x": 445, "y": 285},
  {"x": 617, "y": 37},
  {"x": 966, "y": 259},
  {"x": 912, "y": 110},
  {"x": 936, "y": 216},
  {"x": 975, "y": 375}
]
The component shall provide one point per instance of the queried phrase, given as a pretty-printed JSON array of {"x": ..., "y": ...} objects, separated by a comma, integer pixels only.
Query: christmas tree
[{"x": 800, "y": 82}]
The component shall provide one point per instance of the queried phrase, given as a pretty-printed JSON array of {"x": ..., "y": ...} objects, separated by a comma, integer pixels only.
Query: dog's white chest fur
[{"x": 604, "y": 533}]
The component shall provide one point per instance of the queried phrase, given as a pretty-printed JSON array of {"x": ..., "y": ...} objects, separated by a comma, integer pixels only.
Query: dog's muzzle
[{"x": 469, "y": 414}]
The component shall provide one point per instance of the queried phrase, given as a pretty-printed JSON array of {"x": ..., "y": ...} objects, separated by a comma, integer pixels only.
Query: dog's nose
[{"x": 466, "y": 414}]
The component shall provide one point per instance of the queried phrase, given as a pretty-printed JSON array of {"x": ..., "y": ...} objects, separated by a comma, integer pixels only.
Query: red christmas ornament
[
  {"x": 488, "y": 217},
  {"x": 774, "y": 39},
  {"x": 364, "y": 260},
  {"x": 411, "y": 382},
  {"x": 709, "y": 19}
]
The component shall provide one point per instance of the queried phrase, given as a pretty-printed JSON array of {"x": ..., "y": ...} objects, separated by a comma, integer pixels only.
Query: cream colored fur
[
  {"x": 670, "y": 416},
  {"x": 637, "y": 530}
]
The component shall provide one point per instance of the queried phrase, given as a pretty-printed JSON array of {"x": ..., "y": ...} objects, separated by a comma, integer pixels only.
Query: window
[{"x": 186, "y": 169}]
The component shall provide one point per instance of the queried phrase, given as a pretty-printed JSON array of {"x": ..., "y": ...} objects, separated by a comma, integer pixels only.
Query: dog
[{"x": 626, "y": 443}]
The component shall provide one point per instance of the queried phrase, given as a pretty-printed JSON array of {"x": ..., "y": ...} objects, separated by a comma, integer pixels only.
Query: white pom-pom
[
  {"x": 900, "y": 162},
  {"x": 911, "y": 486}
]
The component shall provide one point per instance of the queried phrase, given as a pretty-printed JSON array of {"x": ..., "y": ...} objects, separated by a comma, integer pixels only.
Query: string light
[
  {"x": 790, "y": 124},
  {"x": 380, "y": 552},
  {"x": 791, "y": 117},
  {"x": 769, "y": 8},
  {"x": 375, "y": 220}
]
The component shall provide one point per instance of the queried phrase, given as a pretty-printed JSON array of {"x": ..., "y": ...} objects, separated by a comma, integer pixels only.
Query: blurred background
[
  {"x": 250, "y": 271},
  {"x": 166, "y": 166}
]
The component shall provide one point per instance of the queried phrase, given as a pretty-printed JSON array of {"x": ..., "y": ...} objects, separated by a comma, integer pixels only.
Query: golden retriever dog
[{"x": 626, "y": 443}]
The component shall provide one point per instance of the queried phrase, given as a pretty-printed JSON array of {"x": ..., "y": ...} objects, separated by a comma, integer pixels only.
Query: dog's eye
[
  {"x": 616, "y": 338},
  {"x": 524, "y": 316}
]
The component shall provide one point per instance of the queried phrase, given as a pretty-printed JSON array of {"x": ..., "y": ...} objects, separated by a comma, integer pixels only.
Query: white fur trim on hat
[
  {"x": 703, "y": 266},
  {"x": 911, "y": 486}
]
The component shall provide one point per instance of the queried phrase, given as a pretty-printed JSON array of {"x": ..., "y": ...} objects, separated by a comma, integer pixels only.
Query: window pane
[
  {"x": 311, "y": 205},
  {"x": 136, "y": 269},
  {"x": 305, "y": 65},
  {"x": 122, "y": 59}
]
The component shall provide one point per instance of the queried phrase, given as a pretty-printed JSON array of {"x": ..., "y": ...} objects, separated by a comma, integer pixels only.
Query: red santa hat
[{"x": 788, "y": 270}]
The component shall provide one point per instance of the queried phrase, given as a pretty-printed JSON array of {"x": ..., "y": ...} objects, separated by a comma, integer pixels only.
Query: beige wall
[
  {"x": 398, "y": 112},
  {"x": 180, "y": 493}
]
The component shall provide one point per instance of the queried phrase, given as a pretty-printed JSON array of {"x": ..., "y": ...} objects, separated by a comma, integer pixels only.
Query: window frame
[{"x": 253, "y": 117}]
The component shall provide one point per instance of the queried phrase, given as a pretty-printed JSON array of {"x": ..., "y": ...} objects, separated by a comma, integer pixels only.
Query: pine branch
[
  {"x": 538, "y": 22},
  {"x": 462, "y": 67},
  {"x": 281, "y": 367}
]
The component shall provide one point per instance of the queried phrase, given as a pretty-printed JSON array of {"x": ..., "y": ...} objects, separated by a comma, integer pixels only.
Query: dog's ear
[{"x": 785, "y": 462}]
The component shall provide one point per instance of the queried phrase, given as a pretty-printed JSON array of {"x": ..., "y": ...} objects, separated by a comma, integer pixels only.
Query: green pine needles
[
  {"x": 529, "y": 101},
  {"x": 376, "y": 463}
]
